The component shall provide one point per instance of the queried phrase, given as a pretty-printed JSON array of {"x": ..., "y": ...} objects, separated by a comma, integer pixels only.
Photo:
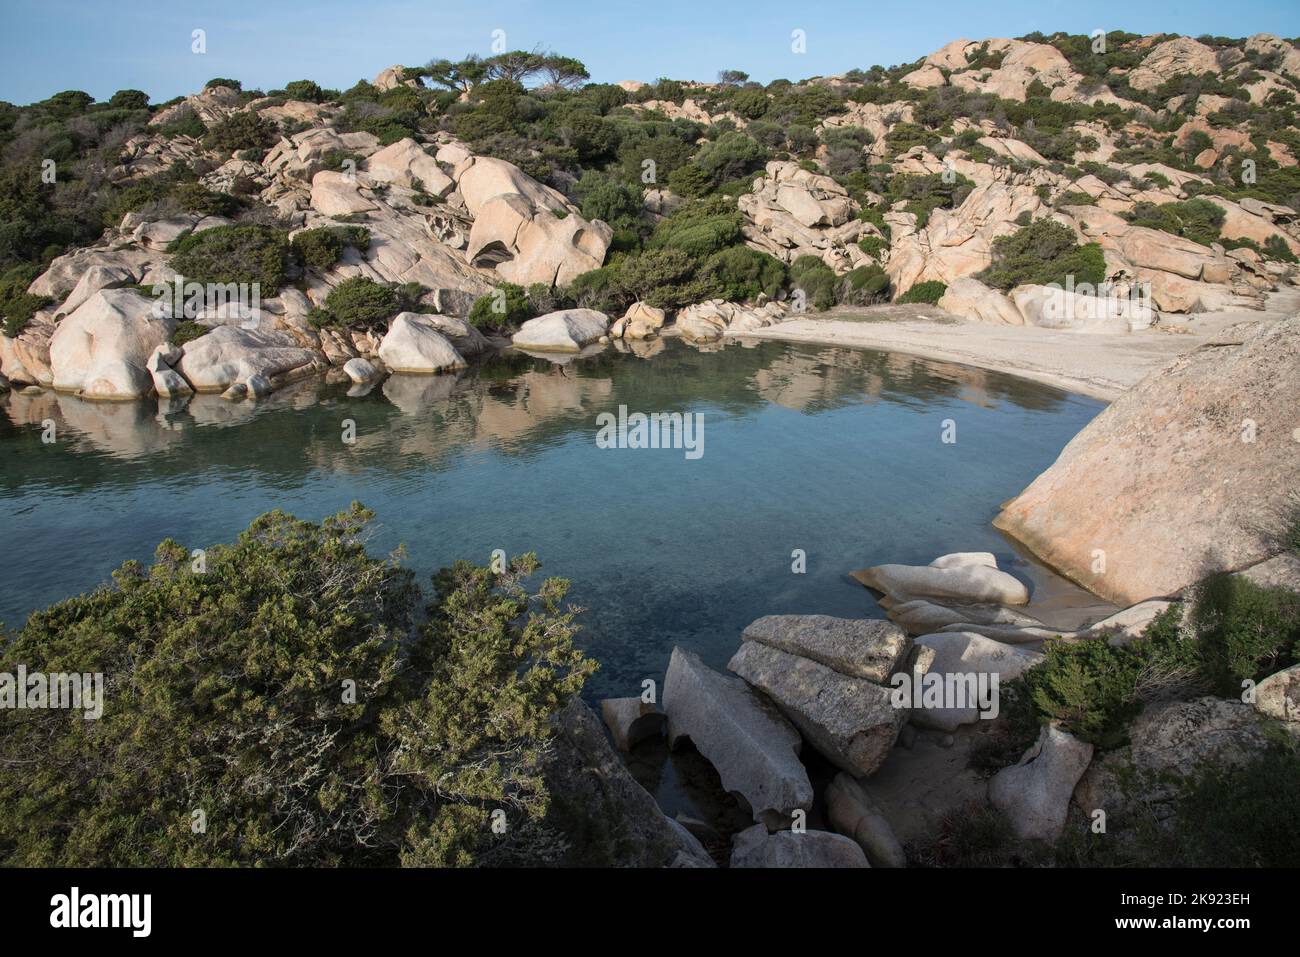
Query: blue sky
[{"x": 102, "y": 46}]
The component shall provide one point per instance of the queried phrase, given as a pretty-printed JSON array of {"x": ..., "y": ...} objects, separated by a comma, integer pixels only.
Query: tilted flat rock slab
[
  {"x": 1185, "y": 474},
  {"x": 851, "y": 721},
  {"x": 860, "y": 648},
  {"x": 753, "y": 748}
]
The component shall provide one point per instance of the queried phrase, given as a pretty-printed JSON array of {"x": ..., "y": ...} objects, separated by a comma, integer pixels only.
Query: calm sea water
[{"x": 833, "y": 451}]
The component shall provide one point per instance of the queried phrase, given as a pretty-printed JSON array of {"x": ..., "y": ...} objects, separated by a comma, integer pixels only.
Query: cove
[{"x": 832, "y": 451}]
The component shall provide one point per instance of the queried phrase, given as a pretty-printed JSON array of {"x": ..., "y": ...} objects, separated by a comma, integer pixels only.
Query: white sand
[{"x": 1102, "y": 366}]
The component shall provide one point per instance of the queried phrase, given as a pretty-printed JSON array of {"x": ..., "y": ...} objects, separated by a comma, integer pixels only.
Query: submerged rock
[
  {"x": 608, "y": 818},
  {"x": 971, "y": 583},
  {"x": 753, "y": 748},
  {"x": 631, "y": 721}
]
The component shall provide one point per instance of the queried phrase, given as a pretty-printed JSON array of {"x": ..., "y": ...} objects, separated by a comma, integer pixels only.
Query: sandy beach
[{"x": 1102, "y": 366}]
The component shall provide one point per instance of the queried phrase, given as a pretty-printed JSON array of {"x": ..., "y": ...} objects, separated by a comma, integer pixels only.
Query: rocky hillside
[{"x": 390, "y": 226}]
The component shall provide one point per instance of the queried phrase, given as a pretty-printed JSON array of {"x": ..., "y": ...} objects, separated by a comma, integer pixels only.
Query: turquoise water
[{"x": 836, "y": 452}]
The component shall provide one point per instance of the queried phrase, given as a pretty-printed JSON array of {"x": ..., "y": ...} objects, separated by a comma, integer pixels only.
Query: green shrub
[
  {"x": 815, "y": 280},
  {"x": 306, "y": 90},
  {"x": 1243, "y": 631},
  {"x": 238, "y": 254},
  {"x": 1196, "y": 219},
  {"x": 187, "y": 331},
  {"x": 928, "y": 292},
  {"x": 1044, "y": 252},
  {"x": 359, "y": 302},
  {"x": 1075, "y": 198},
  {"x": 609, "y": 200},
  {"x": 665, "y": 278},
  {"x": 185, "y": 123},
  {"x": 294, "y": 691},
  {"x": 599, "y": 289},
  {"x": 1275, "y": 247},
  {"x": 924, "y": 194},
  {"x": 873, "y": 246},
  {"x": 1246, "y": 816},
  {"x": 739, "y": 273},
  {"x": 244, "y": 130},
  {"x": 507, "y": 305},
  {"x": 321, "y": 248},
  {"x": 699, "y": 229},
  {"x": 222, "y": 81},
  {"x": 864, "y": 285},
  {"x": 17, "y": 305},
  {"x": 690, "y": 181}
]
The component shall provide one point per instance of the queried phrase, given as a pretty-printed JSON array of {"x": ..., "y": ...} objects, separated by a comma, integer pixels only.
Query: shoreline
[{"x": 1099, "y": 366}]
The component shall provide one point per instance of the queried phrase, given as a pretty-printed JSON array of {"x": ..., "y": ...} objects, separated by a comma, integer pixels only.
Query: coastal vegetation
[{"x": 290, "y": 699}]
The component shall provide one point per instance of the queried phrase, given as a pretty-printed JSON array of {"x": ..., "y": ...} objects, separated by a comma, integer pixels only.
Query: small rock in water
[{"x": 631, "y": 721}]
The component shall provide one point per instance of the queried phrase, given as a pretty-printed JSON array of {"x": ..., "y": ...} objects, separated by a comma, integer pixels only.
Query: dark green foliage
[
  {"x": 729, "y": 156},
  {"x": 664, "y": 277},
  {"x": 129, "y": 100},
  {"x": 359, "y": 302},
  {"x": 610, "y": 200},
  {"x": 1243, "y": 631},
  {"x": 185, "y": 123},
  {"x": 865, "y": 285},
  {"x": 928, "y": 292},
  {"x": 739, "y": 273},
  {"x": 292, "y": 693},
  {"x": 903, "y": 136},
  {"x": 222, "y": 81},
  {"x": 507, "y": 305},
  {"x": 1044, "y": 252},
  {"x": 1196, "y": 219},
  {"x": 321, "y": 248},
  {"x": 873, "y": 246},
  {"x": 1089, "y": 687},
  {"x": 924, "y": 194},
  {"x": 1275, "y": 247},
  {"x": 245, "y": 130},
  {"x": 240, "y": 254},
  {"x": 815, "y": 280},
  {"x": 1238, "y": 630},
  {"x": 17, "y": 305},
  {"x": 699, "y": 229},
  {"x": 1075, "y": 199},
  {"x": 690, "y": 181},
  {"x": 1245, "y": 816},
  {"x": 187, "y": 331},
  {"x": 304, "y": 90}
]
